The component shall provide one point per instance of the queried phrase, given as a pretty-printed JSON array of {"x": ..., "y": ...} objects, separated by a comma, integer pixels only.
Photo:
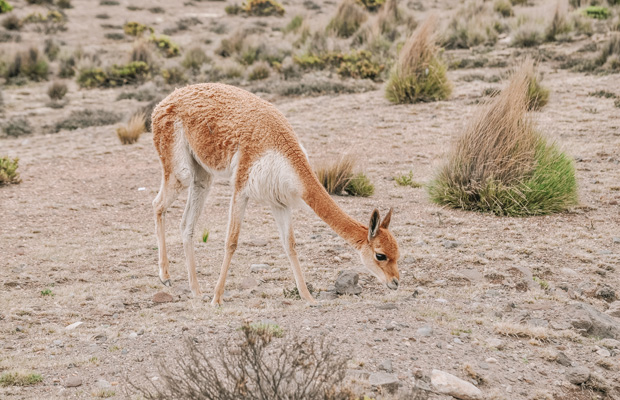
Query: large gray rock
[
  {"x": 73, "y": 381},
  {"x": 346, "y": 283},
  {"x": 384, "y": 381},
  {"x": 578, "y": 375},
  {"x": 449, "y": 384},
  {"x": 589, "y": 321}
]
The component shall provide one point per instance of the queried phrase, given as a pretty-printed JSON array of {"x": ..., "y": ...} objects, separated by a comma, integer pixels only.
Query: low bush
[
  {"x": 67, "y": 67},
  {"x": 12, "y": 23},
  {"x": 597, "y": 12},
  {"x": 502, "y": 164},
  {"x": 371, "y": 5},
  {"x": 135, "y": 127},
  {"x": 349, "y": 17},
  {"x": 64, "y": 4},
  {"x": 109, "y": 3},
  {"x": 17, "y": 127},
  {"x": 263, "y": 8},
  {"x": 194, "y": 59},
  {"x": 419, "y": 74},
  {"x": 57, "y": 91},
  {"x": 472, "y": 25},
  {"x": 174, "y": 76},
  {"x": 335, "y": 177},
  {"x": 29, "y": 64},
  {"x": 233, "y": 9},
  {"x": 117, "y": 75},
  {"x": 610, "y": 54},
  {"x": 19, "y": 379},
  {"x": 52, "y": 22},
  {"x": 358, "y": 64},
  {"x": 5, "y": 7},
  {"x": 87, "y": 118},
  {"x": 559, "y": 24},
  {"x": 359, "y": 185},
  {"x": 114, "y": 36},
  {"x": 259, "y": 71},
  {"x": 254, "y": 364},
  {"x": 139, "y": 95},
  {"x": 323, "y": 86},
  {"x": 537, "y": 95},
  {"x": 166, "y": 46},
  {"x": 133, "y": 28},
  {"x": 9, "y": 175},
  {"x": 231, "y": 45},
  {"x": 407, "y": 180},
  {"x": 528, "y": 35}
]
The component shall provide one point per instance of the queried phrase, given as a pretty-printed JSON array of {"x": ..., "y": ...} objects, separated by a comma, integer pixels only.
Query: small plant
[
  {"x": 5, "y": 7},
  {"x": 559, "y": 25},
  {"x": 136, "y": 29},
  {"x": 335, "y": 177},
  {"x": 294, "y": 25},
  {"x": 157, "y": 10},
  {"x": 603, "y": 93},
  {"x": 47, "y": 292},
  {"x": 64, "y": 4},
  {"x": 541, "y": 282},
  {"x": 173, "y": 76},
  {"x": 259, "y": 71},
  {"x": 359, "y": 185},
  {"x": 267, "y": 328},
  {"x": 117, "y": 75},
  {"x": 12, "y": 23},
  {"x": 419, "y": 74},
  {"x": 51, "y": 49},
  {"x": 135, "y": 127},
  {"x": 233, "y": 9},
  {"x": 17, "y": 127},
  {"x": 165, "y": 46},
  {"x": 28, "y": 64},
  {"x": 527, "y": 35},
  {"x": 86, "y": 118},
  {"x": 8, "y": 171},
  {"x": 194, "y": 59},
  {"x": 263, "y": 8},
  {"x": 501, "y": 164},
  {"x": 598, "y": 12},
  {"x": 347, "y": 20},
  {"x": 407, "y": 180},
  {"x": 472, "y": 25},
  {"x": 538, "y": 95},
  {"x": 503, "y": 7},
  {"x": 141, "y": 52},
  {"x": 371, "y": 5},
  {"x": 294, "y": 292},
  {"x": 20, "y": 379},
  {"x": 57, "y": 90},
  {"x": 617, "y": 103},
  {"x": 205, "y": 235}
]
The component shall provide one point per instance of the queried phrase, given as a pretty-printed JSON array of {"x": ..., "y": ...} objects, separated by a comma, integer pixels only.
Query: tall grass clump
[
  {"x": 28, "y": 64},
  {"x": 503, "y": 165},
  {"x": 335, "y": 177},
  {"x": 8, "y": 175},
  {"x": 559, "y": 25},
  {"x": 419, "y": 74},
  {"x": 349, "y": 16},
  {"x": 472, "y": 25},
  {"x": 255, "y": 364},
  {"x": 135, "y": 127}
]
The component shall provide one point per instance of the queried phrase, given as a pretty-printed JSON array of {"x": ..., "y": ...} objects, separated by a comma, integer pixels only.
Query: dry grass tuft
[
  {"x": 523, "y": 331},
  {"x": 20, "y": 379},
  {"x": 135, "y": 127},
  {"x": 559, "y": 26},
  {"x": 419, "y": 74},
  {"x": 255, "y": 365},
  {"x": 336, "y": 176},
  {"x": 501, "y": 164},
  {"x": 347, "y": 20},
  {"x": 472, "y": 25}
]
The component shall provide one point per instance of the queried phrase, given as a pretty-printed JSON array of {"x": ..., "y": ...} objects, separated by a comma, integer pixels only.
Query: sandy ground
[{"x": 81, "y": 225}]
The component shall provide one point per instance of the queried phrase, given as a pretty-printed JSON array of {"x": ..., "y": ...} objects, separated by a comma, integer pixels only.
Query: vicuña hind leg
[
  {"x": 282, "y": 216},
  {"x": 198, "y": 191},
  {"x": 168, "y": 193},
  {"x": 235, "y": 217}
]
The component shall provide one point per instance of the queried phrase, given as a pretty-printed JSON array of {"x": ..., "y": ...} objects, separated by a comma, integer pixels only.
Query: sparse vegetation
[
  {"x": 8, "y": 172},
  {"x": 130, "y": 133},
  {"x": 503, "y": 7},
  {"x": 20, "y": 379},
  {"x": 57, "y": 91},
  {"x": 371, "y": 5},
  {"x": 133, "y": 28},
  {"x": 194, "y": 59},
  {"x": 255, "y": 365},
  {"x": 472, "y": 25},
  {"x": 501, "y": 164},
  {"x": 173, "y": 76},
  {"x": 259, "y": 71},
  {"x": 17, "y": 127},
  {"x": 349, "y": 17},
  {"x": 537, "y": 95},
  {"x": 87, "y": 118},
  {"x": 205, "y": 235},
  {"x": 407, "y": 180},
  {"x": 5, "y": 7},
  {"x": 117, "y": 75},
  {"x": 359, "y": 185},
  {"x": 559, "y": 25},
  {"x": 263, "y": 8},
  {"x": 419, "y": 74},
  {"x": 528, "y": 35},
  {"x": 12, "y": 23},
  {"x": 47, "y": 292},
  {"x": 165, "y": 45},
  {"x": 233, "y": 9},
  {"x": 29, "y": 64},
  {"x": 598, "y": 12},
  {"x": 335, "y": 177}
]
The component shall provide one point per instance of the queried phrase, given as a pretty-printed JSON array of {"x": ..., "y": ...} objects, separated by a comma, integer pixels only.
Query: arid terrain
[{"x": 496, "y": 301}]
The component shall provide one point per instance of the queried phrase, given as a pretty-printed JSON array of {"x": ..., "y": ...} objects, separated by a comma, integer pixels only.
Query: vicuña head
[{"x": 205, "y": 130}]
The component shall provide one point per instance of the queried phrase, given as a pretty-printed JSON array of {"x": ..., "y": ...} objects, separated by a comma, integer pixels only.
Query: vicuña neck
[{"x": 328, "y": 210}]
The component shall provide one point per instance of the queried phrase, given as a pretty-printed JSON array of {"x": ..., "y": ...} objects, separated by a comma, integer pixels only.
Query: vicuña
[{"x": 206, "y": 130}]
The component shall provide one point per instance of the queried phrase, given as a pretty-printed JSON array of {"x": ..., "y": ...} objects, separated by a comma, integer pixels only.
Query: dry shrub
[
  {"x": 501, "y": 164},
  {"x": 609, "y": 57},
  {"x": 559, "y": 26},
  {"x": 86, "y": 118},
  {"x": 347, "y": 20},
  {"x": 17, "y": 127},
  {"x": 174, "y": 76},
  {"x": 194, "y": 59},
  {"x": 141, "y": 51},
  {"x": 254, "y": 365},
  {"x": 419, "y": 73},
  {"x": 57, "y": 90},
  {"x": 260, "y": 71},
  {"x": 523, "y": 331},
  {"x": 537, "y": 95},
  {"x": 8, "y": 171},
  {"x": 12, "y": 23},
  {"x": 28, "y": 64},
  {"x": 529, "y": 34},
  {"x": 472, "y": 25},
  {"x": 135, "y": 127},
  {"x": 336, "y": 176}
]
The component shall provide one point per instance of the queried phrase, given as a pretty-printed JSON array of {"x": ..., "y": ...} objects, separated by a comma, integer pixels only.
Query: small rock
[
  {"x": 19, "y": 329},
  {"x": 133, "y": 335},
  {"x": 347, "y": 283},
  {"x": 577, "y": 375},
  {"x": 563, "y": 359},
  {"x": 426, "y": 330},
  {"x": 73, "y": 381},
  {"x": 610, "y": 343},
  {"x": 384, "y": 381},
  {"x": 538, "y": 322},
  {"x": 603, "y": 352},
  {"x": 451, "y": 244},
  {"x": 471, "y": 275},
  {"x": 491, "y": 360},
  {"x": 256, "y": 268},
  {"x": 386, "y": 366},
  {"x": 249, "y": 282},
  {"x": 100, "y": 337},
  {"x": 614, "y": 309},
  {"x": 59, "y": 343},
  {"x": 449, "y": 384},
  {"x": 73, "y": 325},
  {"x": 495, "y": 343},
  {"x": 327, "y": 295},
  {"x": 162, "y": 297},
  {"x": 484, "y": 365},
  {"x": 616, "y": 240},
  {"x": 442, "y": 301},
  {"x": 589, "y": 321},
  {"x": 103, "y": 384}
]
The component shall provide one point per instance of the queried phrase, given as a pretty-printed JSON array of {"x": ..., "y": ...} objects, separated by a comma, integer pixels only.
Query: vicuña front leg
[
  {"x": 198, "y": 191},
  {"x": 168, "y": 193},
  {"x": 238, "y": 204},
  {"x": 282, "y": 216}
]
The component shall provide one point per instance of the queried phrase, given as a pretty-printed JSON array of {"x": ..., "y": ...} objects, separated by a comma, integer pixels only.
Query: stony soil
[{"x": 491, "y": 300}]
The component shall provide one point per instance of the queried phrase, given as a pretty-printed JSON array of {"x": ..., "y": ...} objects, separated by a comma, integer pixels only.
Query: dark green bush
[
  {"x": 359, "y": 185},
  {"x": 87, "y": 118},
  {"x": 136, "y": 29},
  {"x": 5, "y": 7},
  {"x": 597, "y": 12}
]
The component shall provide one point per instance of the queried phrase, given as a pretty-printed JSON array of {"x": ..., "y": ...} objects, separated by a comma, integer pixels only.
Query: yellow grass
[{"x": 135, "y": 127}]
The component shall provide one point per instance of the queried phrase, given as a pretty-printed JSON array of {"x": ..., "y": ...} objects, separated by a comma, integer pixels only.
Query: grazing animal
[{"x": 205, "y": 130}]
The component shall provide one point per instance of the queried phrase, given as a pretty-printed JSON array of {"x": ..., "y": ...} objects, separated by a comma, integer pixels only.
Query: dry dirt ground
[{"x": 81, "y": 225}]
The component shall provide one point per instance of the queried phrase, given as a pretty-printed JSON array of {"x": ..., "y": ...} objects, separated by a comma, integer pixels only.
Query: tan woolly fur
[{"x": 205, "y": 130}]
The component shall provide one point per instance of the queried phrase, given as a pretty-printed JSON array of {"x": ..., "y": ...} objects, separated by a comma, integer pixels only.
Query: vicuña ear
[
  {"x": 373, "y": 226},
  {"x": 386, "y": 220}
]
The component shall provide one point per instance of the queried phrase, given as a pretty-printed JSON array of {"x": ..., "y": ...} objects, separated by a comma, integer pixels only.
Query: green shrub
[
  {"x": 57, "y": 90},
  {"x": 17, "y": 127},
  {"x": 92, "y": 77},
  {"x": 537, "y": 95},
  {"x": 259, "y": 71},
  {"x": 117, "y": 75},
  {"x": 358, "y": 64},
  {"x": 501, "y": 164},
  {"x": 527, "y": 35},
  {"x": 12, "y": 23},
  {"x": 419, "y": 74},
  {"x": 233, "y": 9},
  {"x": 371, "y": 5},
  {"x": 173, "y": 76},
  {"x": 136, "y": 29},
  {"x": 359, "y": 185},
  {"x": 51, "y": 22},
  {"x": 194, "y": 59},
  {"x": 8, "y": 175},
  {"x": 19, "y": 379},
  {"x": 5, "y": 7},
  {"x": 347, "y": 20},
  {"x": 597, "y": 12},
  {"x": 166, "y": 46},
  {"x": 67, "y": 67},
  {"x": 263, "y": 8},
  {"x": 87, "y": 118},
  {"x": 407, "y": 180},
  {"x": 28, "y": 64}
]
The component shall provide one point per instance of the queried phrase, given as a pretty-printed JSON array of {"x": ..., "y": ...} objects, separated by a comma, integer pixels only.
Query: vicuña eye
[{"x": 380, "y": 257}]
